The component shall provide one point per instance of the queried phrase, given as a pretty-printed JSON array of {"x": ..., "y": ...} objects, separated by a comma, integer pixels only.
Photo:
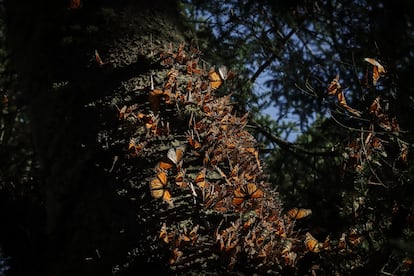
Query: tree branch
[
  {"x": 263, "y": 67},
  {"x": 286, "y": 145}
]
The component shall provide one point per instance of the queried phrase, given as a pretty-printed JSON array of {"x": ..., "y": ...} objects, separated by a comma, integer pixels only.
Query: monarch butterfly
[
  {"x": 342, "y": 102},
  {"x": 225, "y": 73},
  {"x": 176, "y": 255},
  {"x": 183, "y": 237},
  {"x": 154, "y": 99},
  {"x": 151, "y": 121},
  {"x": 215, "y": 79},
  {"x": 311, "y": 243},
  {"x": 377, "y": 71},
  {"x": 246, "y": 192},
  {"x": 200, "y": 179},
  {"x": 194, "y": 143},
  {"x": 375, "y": 107},
  {"x": 179, "y": 179},
  {"x": 341, "y": 99},
  {"x": 297, "y": 213},
  {"x": 173, "y": 159},
  {"x": 254, "y": 151},
  {"x": 171, "y": 78},
  {"x": 176, "y": 154},
  {"x": 395, "y": 128},
  {"x": 190, "y": 237},
  {"x": 247, "y": 224},
  {"x": 376, "y": 143},
  {"x": 164, "y": 165},
  {"x": 158, "y": 187},
  {"x": 249, "y": 176},
  {"x": 334, "y": 87},
  {"x": 192, "y": 67},
  {"x": 135, "y": 148}
]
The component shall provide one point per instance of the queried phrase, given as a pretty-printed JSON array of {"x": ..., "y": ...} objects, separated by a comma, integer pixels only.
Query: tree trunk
[{"x": 84, "y": 227}]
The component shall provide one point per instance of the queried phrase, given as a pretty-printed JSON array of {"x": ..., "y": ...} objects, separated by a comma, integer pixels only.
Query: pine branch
[{"x": 289, "y": 146}]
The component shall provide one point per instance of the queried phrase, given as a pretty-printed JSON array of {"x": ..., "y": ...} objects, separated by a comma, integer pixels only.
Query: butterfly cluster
[
  {"x": 368, "y": 149},
  {"x": 211, "y": 165},
  {"x": 335, "y": 89},
  {"x": 375, "y": 151},
  {"x": 374, "y": 145}
]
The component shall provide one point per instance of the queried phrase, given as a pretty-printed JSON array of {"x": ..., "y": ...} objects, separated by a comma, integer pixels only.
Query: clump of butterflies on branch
[
  {"x": 216, "y": 164},
  {"x": 379, "y": 130},
  {"x": 375, "y": 151}
]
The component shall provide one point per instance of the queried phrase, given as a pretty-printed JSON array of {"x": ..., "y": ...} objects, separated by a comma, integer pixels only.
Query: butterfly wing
[
  {"x": 223, "y": 72},
  {"x": 299, "y": 213},
  {"x": 239, "y": 196},
  {"x": 200, "y": 179},
  {"x": 311, "y": 243},
  {"x": 377, "y": 71},
  {"x": 334, "y": 87},
  {"x": 215, "y": 80},
  {"x": 179, "y": 153},
  {"x": 158, "y": 184},
  {"x": 175, "y": 155},
  {"x": 253, "y": 191},
  {"x": 157, "y": 188},
  {"x": 164, "y": 165},
  {"x": 172, "y": 155},
  {"x": 179, "y": 179}
]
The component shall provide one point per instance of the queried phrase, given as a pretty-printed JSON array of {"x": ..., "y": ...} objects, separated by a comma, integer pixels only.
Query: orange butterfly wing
[
  {"x": 239, "y": 196},
  {"x": 334, "y": 87},
  {"x": 311, "y": 243},
  {"x": 164, "y": 165},
  {"x": 296, "y": 213},
  {"x": 200, "y": 179},
  {"x": 215, "y": 80},
  {"x": 179, "y": 179},
  {"x": 157, "y": 186},
  {"x": 253, "y": 191},
  {"x": 377, "y": 71},
  {"x": 176, "y": 255},
  {"x": 194, "y": 143}
]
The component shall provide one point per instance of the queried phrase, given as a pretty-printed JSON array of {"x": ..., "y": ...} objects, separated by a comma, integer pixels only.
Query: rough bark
[{"x": 83, "y": 227}]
